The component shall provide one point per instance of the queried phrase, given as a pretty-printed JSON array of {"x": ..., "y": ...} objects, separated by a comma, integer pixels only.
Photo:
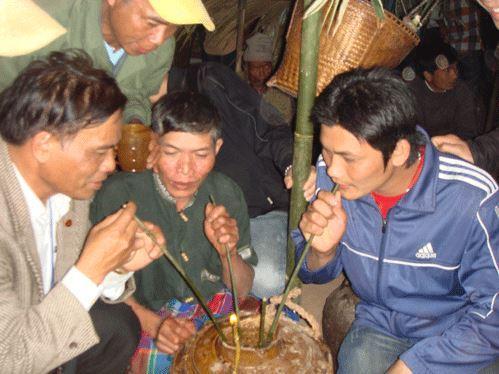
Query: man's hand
[
  {"x": 173, "y": 333},
  {"x": 145, "y": 250},
  {"x": 399, "y": 367},
  {"x": 220, "y": 229},
  {"x": 109, "y": 244},
  {"x": 454, "y": 145},
  {"x": 308, "y": 186},
  {"x": 327, "y": 220}
]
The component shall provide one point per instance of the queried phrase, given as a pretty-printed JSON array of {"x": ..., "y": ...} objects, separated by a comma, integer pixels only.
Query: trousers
[
  {"x": 269, "y": 240},
  {"x": 119, "y": 331}
]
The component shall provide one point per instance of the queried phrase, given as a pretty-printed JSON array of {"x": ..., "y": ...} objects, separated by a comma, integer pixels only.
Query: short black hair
[
  {"x": 61, "y": 93},
  {"x": 185, "y": 111},
  {"x": 426, "y": 54},
  {"x": 374, "y": 105}
]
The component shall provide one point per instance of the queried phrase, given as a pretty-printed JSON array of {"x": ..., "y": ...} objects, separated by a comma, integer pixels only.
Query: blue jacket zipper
[{"x": 381, "y": 256}]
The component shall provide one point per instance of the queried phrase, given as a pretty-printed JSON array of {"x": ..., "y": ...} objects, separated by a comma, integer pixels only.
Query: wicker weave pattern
[{"x": 361, "y": 40}]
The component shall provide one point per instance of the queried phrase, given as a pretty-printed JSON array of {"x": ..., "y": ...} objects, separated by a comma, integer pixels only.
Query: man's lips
[
  {"x": 342, "y": 186},
  {"x": 183, "y": 185}
]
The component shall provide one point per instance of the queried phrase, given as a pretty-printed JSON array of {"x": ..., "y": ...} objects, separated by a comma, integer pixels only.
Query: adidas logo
[{"x": 426, "y": 252}]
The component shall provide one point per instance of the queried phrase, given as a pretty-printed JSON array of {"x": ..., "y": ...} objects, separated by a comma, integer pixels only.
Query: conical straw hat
[{"x": 25, "y": 27}]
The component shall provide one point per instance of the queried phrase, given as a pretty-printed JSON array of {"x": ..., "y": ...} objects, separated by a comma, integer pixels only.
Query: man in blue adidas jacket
[{"x": 415, "y": 231}]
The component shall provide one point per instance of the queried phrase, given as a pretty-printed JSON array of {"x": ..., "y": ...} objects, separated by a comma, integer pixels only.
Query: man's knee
[
  {"x": 127, "y": 328},
  {"x": 353, "y": 357},
  {"x": 119, "y": 332},
  {"x": 366, "y": 350},
  {"x": 116, "y": 324},
  {"x": 270, "y": 273}
]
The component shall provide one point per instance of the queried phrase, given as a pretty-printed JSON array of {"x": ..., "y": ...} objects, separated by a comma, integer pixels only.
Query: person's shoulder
[
  {"x": 463, "y": 91},
  {"x": 164, "y": 51},
  {"x": 222, "y": 182},
  {"x": 126, "y": 181},
  {"x": 224, "y": 187},
  {"x": 62, "y": 10},
  {"x": 460, "y": 178}
]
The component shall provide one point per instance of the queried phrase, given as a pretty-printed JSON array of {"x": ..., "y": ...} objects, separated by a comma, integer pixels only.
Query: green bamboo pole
[{"x": 304, "y": 133}]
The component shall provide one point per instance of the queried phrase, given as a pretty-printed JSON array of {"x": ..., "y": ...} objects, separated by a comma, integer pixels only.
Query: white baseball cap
[{"x": 183, "y": 12}]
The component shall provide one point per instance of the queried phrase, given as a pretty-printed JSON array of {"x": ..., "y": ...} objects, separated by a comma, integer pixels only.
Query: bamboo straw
[
  {"x": 231, "y": 273},
  {"x": 297, "y": 268},
  {"x": 262, "y": 323},
  {"x": 186, "y": 278},
  {"x": 234, "y": 322}
]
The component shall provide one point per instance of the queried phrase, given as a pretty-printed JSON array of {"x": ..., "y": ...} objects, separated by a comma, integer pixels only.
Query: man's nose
[
  {"x": 335, "y": 169},
  {"x": 109, "y": 163},
  {"x": 186, "y": 165}
]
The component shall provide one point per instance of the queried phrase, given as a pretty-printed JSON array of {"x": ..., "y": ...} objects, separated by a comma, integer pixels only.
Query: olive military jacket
[{"x": 139, "y": 77}]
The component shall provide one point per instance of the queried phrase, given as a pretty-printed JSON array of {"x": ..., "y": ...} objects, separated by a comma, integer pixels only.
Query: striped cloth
[{"x": 147, "y": 358}]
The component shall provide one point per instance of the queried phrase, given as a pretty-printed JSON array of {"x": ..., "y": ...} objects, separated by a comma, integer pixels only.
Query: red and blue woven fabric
[{"x": 147, "y": 358}]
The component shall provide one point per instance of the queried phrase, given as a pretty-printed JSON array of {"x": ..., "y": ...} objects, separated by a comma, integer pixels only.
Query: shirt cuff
[
  {"x": 113, "y": 285},
  {"x": 85, "y": 291}
]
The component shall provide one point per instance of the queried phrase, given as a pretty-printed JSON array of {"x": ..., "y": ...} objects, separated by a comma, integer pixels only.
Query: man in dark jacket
[{"x": 445, "y": 103}]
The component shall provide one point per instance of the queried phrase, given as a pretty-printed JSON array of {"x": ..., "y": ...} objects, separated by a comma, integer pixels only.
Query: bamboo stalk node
[{"x": 303, "y": 136}]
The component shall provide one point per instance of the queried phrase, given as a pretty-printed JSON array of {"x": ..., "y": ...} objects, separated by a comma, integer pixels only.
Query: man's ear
[
  {"x": 401, "y": 153},
  {"x": 427, "y": 76},
  {"x": 218, "y": 145},
  {"x": 42, "y": 145},
  {"x": 156, "y": 148}
]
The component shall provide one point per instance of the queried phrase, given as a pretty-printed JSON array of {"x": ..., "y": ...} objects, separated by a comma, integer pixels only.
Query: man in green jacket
[
  {"x": 176, "y": 197},
  {"x": 130, "y": 39}
]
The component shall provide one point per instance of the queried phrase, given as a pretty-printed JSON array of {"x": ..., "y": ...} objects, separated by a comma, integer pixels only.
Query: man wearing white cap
[
  {"x": 131, "y": 39},
  {"x": 258, "y": 65}
]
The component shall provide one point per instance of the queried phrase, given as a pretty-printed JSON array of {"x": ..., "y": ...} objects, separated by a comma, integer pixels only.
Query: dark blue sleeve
[{"x": 323, "y": 275}]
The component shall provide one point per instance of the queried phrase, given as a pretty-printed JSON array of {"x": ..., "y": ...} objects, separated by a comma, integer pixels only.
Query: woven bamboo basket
[{"x": 360, "y": 40}]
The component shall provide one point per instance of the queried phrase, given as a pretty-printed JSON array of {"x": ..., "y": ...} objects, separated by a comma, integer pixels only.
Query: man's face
[
  {"x": 357, "y": 167},
  {"x": 444, "y": 79},
  {"x": 78, "y": 165},
  {"x": 136, "y": 26},
  {"x": 185, "y": 161},
  {"x": 258, "y": 72}
]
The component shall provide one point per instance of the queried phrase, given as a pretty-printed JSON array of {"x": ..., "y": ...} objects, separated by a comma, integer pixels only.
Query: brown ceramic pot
[
  {"x": 293, "y": 350},
  {"x": 133, "y": 147}
]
